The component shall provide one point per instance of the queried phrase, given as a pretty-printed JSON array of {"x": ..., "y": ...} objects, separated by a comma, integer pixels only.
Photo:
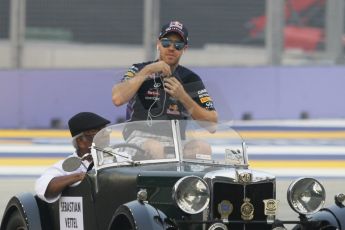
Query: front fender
[
  {"x": 338, "y": 212},
  {"x": 143, "y": 215},
  {"x": 332, "y": 217},
  {"x": 26, "y": 205}
]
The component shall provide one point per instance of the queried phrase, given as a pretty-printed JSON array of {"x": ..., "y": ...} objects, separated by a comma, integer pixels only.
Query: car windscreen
[
  {"x": 140, "y": 141},
  {"x": 162, "y": 141},
  {"x": 212, "y": 143}
]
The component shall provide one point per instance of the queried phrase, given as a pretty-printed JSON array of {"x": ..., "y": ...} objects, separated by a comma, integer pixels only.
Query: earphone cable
[{"x": 149, "y": 113}]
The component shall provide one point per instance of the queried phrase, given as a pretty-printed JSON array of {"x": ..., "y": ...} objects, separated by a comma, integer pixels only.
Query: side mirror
[{"x": 71, "y": 164}]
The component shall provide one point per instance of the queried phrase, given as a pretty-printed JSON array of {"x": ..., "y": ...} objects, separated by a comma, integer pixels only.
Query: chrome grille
[{"x": 235, "y": 193}]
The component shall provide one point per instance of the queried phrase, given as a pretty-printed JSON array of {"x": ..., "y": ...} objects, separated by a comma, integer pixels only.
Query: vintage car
[{"x": 170, "y": 175}]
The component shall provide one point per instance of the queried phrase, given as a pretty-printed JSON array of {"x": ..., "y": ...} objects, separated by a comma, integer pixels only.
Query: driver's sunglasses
[{"x": 166, "y": 42}]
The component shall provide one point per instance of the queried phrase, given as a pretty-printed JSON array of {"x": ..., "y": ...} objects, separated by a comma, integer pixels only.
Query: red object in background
[
  {"x": 298, "y": 6},
  {"x": 297, "y": 33},
  {"x": 305, "y": 38}
]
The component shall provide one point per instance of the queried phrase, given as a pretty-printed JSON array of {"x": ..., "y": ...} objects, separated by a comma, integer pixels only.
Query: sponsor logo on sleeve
[
  {"x": 203, "y": 95},
  {"x": 209, "y": 105},
  {"x": 202, "y": 91},
  {"x": 205, "y": 99},
  {"x": 131, "y": 73},
  {"x": 134, "y": 69}
]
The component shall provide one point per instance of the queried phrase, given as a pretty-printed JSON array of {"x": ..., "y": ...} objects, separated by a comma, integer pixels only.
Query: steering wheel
[{"x": 143, "y": 154}]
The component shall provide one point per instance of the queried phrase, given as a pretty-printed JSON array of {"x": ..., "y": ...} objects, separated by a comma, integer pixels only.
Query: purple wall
[
  {"x": 277, "y": 93},
  {"x": 32, "y": 98}
]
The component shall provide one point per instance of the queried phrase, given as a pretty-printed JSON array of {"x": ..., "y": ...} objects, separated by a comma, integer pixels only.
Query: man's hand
[
  {"x": 157, "y": 67},
  {"x": 125, "y": 91},
  {"x": 174, "y": 87}
]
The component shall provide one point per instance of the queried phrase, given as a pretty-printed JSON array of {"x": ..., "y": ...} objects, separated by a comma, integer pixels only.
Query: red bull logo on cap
[{"x": 176, "y": 24}]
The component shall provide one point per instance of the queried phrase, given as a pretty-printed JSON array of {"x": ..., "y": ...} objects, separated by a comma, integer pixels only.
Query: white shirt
[{"x": 55, "y": 171}]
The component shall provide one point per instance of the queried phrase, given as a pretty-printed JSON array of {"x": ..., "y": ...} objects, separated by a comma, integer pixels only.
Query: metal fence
[{"x": 109, "y": 33}]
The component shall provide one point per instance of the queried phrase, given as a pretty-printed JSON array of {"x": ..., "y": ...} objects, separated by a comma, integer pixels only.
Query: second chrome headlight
[
  {"x": 191, "y": 194},
  {"x": 306, "y": 195}
]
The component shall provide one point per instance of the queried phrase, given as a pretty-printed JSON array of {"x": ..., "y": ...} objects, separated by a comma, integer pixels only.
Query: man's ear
[
  {"x": 157, "y": 44},
  {"x": 184, "y": 49},
  {"x": 79, "y": 141}
]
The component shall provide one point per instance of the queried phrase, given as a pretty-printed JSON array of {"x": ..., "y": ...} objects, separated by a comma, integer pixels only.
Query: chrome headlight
[
  {"x": 191, "y": 194},
  {"x": 306, "y": 195},
  {"x": 218, "y": 226}
]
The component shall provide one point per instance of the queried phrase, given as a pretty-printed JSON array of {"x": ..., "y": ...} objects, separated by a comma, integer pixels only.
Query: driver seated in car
[{"x": 83, "y": 127}]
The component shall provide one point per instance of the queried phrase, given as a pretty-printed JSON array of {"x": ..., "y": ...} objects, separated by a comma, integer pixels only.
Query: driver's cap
[{"x": 85, "y": 121}]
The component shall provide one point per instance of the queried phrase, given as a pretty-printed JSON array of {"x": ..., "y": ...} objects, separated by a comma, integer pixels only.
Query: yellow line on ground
[
  {"x": 28, "y": 161},
  {"x": 16, "y": 142},
  {"x": 297, "y": 164},
  {"x": 293, "y": 134},
  {"x": 272, "y": 135},
  {"x": 11, "y": 133},
  {"x": 41, "y": 134}
]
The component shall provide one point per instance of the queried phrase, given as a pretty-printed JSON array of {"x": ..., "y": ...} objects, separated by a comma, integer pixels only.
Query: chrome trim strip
[
  {"x": 175, "y": 126},
  {"x": 231, "y": 173},
  {"x": 94, "y": 156},
  {"x": 220, "y": 174},
  {"x": 95, "y": 164},
  {"x": 257, "y": 176},
  {"x": 146, "y": 162},
  {"x": 245, "y": 155}
]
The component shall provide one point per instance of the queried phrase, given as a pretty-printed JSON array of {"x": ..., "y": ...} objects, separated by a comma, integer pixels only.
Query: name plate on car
[{"x": 71, "y": 213}]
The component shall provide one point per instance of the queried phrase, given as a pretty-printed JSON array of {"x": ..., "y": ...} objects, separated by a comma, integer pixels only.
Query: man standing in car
[
  {"x": 152, "y": 88},
  {"x": 83, "y": 127}
]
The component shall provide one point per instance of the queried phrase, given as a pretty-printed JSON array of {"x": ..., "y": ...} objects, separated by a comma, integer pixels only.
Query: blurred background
[{"x": 269, "y": 59}]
